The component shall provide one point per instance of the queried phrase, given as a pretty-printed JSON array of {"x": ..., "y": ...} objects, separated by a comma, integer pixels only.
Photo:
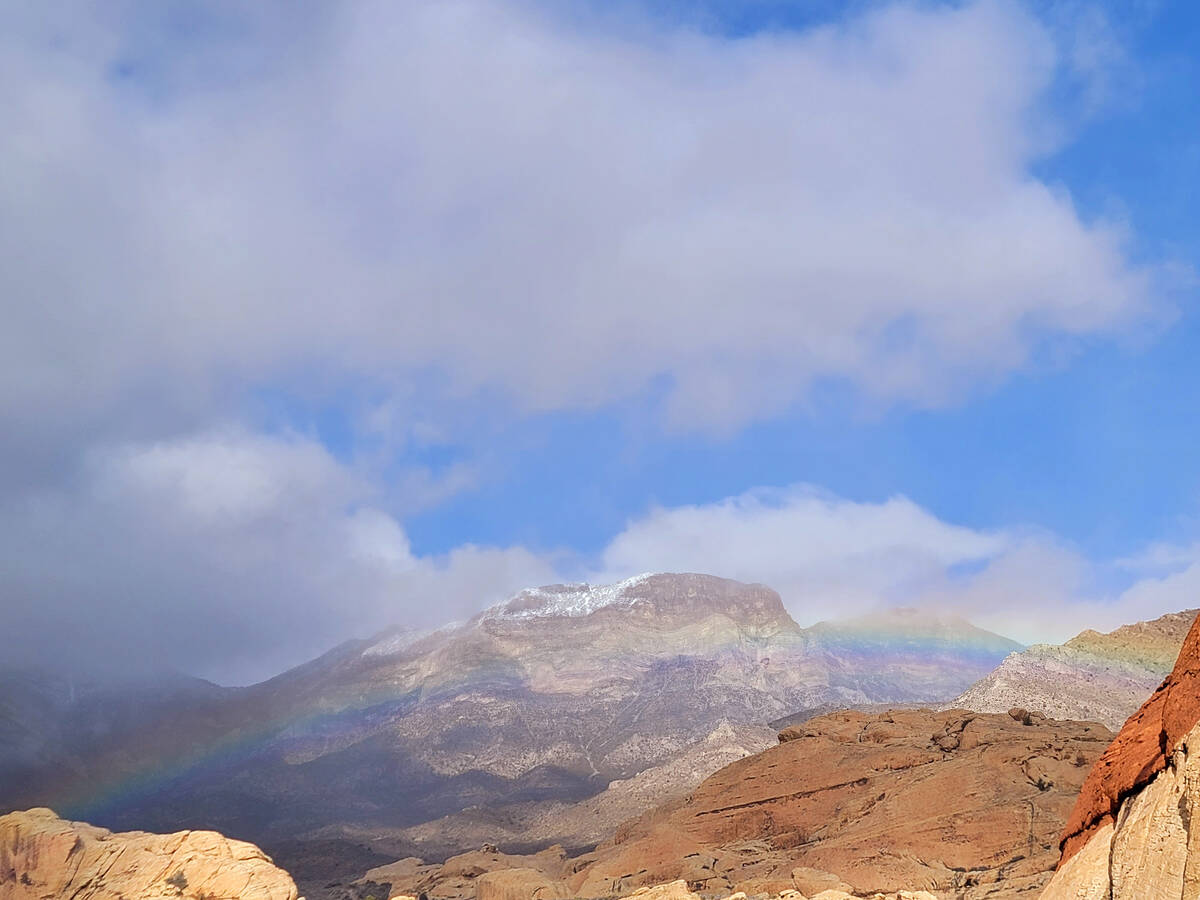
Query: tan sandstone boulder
[
  {"x": 484, "y": 874},
  {"x": 813, "y": 881},
  {"x": 518, "y": 884},
  {"x": 675, "y": 890},
  {"x": 43, "y": 857}
]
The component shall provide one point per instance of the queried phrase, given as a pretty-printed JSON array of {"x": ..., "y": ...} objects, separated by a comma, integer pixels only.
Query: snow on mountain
[{"x": 568, "y": 600}]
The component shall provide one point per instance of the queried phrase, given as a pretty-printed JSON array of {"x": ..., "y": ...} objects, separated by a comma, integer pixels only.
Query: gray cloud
[
  {"x": 561, "y": 217},
  {"x": 227, "y": 554},
  {"x": 473, "y": 196},
  {"x": 234, "y": 556}
]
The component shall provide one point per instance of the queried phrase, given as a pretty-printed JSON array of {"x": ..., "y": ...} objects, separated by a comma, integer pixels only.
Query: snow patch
[
  {"x": 396, "y": 642},
  {"x": 570, "y": 600}
]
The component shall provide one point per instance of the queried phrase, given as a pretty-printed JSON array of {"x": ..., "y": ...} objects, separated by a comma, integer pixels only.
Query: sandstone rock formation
[
  {"x": 43, "y": 857},
  {"x": 485, "y": 874},
  {"x": 963, "y": 804},
  {"x": 519, "y": 884},
  {"x": 1130, "y": 835},
  {"x": 522, "y": 717},
  {"x": 1092, "y": 677},
  {"x": 679, "y": 890}
]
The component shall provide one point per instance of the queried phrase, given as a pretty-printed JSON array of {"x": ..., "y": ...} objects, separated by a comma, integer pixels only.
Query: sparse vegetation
[{"x": 179, "y": 882}]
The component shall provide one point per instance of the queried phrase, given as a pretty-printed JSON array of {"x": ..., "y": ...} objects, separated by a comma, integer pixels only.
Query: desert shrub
[{"x": 179, "y": 882}]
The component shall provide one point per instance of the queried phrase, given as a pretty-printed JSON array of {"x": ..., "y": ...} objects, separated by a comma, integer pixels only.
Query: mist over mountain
[{"x": 534, "y": 705}]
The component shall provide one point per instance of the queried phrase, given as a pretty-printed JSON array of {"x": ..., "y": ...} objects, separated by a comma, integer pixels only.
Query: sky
[{"x": 321, "y": 318}]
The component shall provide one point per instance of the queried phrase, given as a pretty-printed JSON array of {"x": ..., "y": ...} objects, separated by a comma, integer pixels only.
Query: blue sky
[
  {"x": 1096, "y": 447},
  {"x": 379, "y": 316}
]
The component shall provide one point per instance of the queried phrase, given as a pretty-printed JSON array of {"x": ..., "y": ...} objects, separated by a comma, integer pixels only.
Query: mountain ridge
[
  {"x": 1098, "y": 676},
  {"x": 521, "y": 715}
]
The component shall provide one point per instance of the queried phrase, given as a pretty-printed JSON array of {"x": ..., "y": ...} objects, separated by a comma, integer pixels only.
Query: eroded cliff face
[
  {"x": 1148, "y": 851},
  {"x": 43, "y": 857},
  {"x": 1131, "y": 834}
]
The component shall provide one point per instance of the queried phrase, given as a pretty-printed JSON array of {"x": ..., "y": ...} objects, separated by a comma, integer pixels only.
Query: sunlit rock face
[
  {"x": 43, "y": 857},
  {"x": 1131, "y": 835},
  {"x": 962, "y": 804},
  {"x": 1098, "y": 677},
  {"x": 523, "y": 716}
]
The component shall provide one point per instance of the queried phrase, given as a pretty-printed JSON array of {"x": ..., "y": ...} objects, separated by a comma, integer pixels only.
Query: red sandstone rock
[
  {"x": 1141, "y": 749},
  {"x": 955, "y": 802}
]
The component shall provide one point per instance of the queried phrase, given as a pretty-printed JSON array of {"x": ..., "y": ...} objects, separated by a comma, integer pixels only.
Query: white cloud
[
  {"x": 560, "y": 217},
  {"x": 831, "y": 557},
  {"x": 825, "y": 555},
  {"x": 236, "y": 555},
  {"x": 468, "y": 203}
]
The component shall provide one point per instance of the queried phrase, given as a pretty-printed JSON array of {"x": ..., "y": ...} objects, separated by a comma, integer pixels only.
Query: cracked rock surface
[
  {"x": 1130, "y": 836},
  {"x": 956, "y": 803},
  {"x": 43, "y": 857}
]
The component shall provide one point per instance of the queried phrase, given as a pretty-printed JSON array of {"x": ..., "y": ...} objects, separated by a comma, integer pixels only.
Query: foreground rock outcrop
[
  {"x": 1130, "y": 836},
  {"x": 1092, "y": 677},
  {"x": 43, "y": 857},
  {"x": 952, "y": 802}
]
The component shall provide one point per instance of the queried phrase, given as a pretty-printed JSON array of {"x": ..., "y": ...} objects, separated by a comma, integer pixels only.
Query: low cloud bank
[{"x": 235, "y": 555}]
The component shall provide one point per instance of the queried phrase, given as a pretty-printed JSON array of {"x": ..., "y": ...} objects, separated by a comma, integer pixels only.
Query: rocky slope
[
  {"x": 1093, "y": 676},
  {"x": 962, "y": 804},
  {"x": 525, "y": 715},
  {"x": 43, "y": 857},
  {"x": 583, "y": 823},
  {"x": 1130, "y": 835}
]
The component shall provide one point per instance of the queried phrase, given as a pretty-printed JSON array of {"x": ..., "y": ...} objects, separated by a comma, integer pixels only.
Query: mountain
[
  {"x": 43, "y": 857},
  {"x": 562, "y": 703},
  {"x": 1093, "y": 676},
  {"x": 966, "y": 805},
  {"x": 1130, "y": 834}
]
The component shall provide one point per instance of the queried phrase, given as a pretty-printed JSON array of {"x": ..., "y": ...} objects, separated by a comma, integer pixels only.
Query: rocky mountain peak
[
  {"x": 1152, "y": 644},
  {"x": 569, "y": 600},
  {"x": 526, "y": 715},
  {"x": 649, "y": 595}
]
